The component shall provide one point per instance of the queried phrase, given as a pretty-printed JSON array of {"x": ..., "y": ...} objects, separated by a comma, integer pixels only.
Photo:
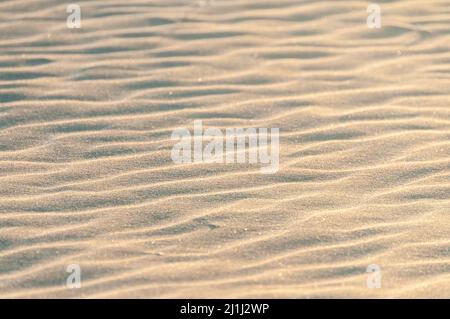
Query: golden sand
[{"x": 86, "y": 175}]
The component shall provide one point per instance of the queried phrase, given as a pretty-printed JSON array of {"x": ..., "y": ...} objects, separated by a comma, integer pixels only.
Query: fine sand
[{"x": 86, "y": 175}]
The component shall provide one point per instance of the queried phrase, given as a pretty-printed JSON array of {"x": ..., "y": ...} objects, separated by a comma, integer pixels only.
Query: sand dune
[{"x": 86, "y": 175}]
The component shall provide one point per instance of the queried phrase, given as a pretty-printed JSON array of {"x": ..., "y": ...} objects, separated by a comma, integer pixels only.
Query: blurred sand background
[{"x": 86, "y": 175}]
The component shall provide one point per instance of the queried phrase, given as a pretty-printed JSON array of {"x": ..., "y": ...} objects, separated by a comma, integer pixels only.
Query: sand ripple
[{"x": 86, "y": 175}]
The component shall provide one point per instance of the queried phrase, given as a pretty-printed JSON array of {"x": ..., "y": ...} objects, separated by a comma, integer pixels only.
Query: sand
[{"x": 86, "y": 175}]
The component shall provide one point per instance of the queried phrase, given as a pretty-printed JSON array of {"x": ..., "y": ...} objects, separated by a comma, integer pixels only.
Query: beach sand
[{"x": 86, "y": 175}]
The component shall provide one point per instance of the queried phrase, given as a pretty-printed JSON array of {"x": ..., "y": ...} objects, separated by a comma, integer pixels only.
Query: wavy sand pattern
[{"x": 86, "y": 175}]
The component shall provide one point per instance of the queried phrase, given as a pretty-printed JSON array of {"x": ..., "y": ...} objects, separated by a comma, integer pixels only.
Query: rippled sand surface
[{"x": 86, "y": 175}]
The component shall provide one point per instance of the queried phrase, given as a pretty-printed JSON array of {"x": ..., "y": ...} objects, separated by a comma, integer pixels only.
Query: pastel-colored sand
[{"x": 86, "y": 175}]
